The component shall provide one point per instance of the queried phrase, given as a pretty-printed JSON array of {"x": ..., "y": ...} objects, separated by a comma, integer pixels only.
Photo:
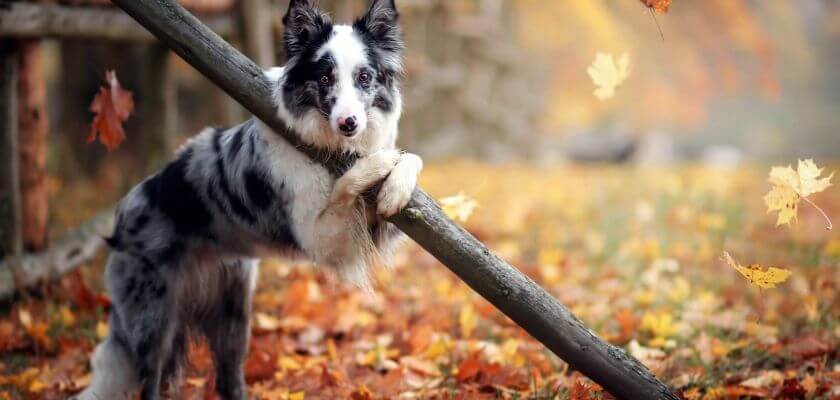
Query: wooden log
[
  {"x": 32, "y": 106},
  {"x": 11, "y": 242},
  {"x": 66, "y": 254},
  {"x": 20, "y": 19},
  {"x": 256, "y": 31},
  {"x": 503, "y": 285}
]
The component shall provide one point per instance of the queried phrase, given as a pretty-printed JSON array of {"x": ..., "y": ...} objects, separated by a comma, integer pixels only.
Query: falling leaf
[
  {"x": 458, "y": 207},
  {"x": 766, "y": 279},
  {"x": 790, "y": 186},
  {"x": 111, "y": 107},
  {"x": 607, "y": 75},
  {"x": 660, "y": 6}
]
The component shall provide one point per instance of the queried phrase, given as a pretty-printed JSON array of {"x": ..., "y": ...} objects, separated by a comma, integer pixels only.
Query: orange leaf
[
  {"x": 660, "y": 6},
  {"x": 111, "y": 107}
]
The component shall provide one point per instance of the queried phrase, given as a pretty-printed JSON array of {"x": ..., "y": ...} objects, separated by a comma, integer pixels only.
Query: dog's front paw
[
  {"x": 397, "y": 188},
  {"x": 367, "y": 172}
]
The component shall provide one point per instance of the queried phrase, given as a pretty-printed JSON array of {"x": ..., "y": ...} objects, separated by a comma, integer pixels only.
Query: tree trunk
[
  {"x": 10, "y": 214},
  {"x": 32, "y": 104},
  {"x": 508, "y": 289}
]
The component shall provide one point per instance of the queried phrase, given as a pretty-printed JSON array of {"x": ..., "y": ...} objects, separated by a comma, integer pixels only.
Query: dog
[{"x": 185, "y": 248}]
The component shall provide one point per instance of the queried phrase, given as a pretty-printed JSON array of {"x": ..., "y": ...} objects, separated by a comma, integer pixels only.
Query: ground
[{"x": 635, "y": 253}]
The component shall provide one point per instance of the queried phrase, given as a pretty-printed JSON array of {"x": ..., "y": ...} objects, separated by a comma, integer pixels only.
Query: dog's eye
[
  {"x": 326, "y": 80},
  {"x": 364, "y": 77}
]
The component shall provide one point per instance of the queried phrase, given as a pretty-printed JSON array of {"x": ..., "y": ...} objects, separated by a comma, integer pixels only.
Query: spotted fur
[{"x": 185, "y": 249}]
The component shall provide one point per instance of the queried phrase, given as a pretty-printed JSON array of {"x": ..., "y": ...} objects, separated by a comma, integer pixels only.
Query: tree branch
[{"x": 508, "y": 289}]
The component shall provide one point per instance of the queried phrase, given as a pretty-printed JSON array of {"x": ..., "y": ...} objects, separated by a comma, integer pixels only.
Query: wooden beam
[
  {"x": 11, "y": 242},
  {"x": 51, "y": 20},
  {"x": 517, "y": 296}
]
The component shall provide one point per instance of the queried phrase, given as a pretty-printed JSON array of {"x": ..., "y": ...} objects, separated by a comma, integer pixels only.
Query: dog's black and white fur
[{"x": 183, "y": 259}]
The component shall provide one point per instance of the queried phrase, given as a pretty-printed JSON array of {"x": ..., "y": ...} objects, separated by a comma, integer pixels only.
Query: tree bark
[
  {"x": 32, "y": 105},
  {"x": 508, "y": 289},
  {"x": 10, "y": 214},
  {"x": 72, "y": 249}
]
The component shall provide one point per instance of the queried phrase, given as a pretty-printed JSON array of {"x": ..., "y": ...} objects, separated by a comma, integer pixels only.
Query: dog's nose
[{"x": 347, "y": 125}]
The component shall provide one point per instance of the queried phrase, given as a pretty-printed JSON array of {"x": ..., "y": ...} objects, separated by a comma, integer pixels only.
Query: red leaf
[{"x": 111, "y": 107}]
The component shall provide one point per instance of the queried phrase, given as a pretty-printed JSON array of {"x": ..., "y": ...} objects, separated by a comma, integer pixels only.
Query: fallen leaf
[
  {"x": 111, "y": 107},
  {"x": 468, "y": 320},
  {"x": 763, "y": 278}
]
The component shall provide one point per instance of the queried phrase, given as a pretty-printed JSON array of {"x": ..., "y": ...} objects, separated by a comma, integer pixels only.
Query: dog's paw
[
  {"x": 367, "y": 172},
  {"x": 397, "y": 188}
]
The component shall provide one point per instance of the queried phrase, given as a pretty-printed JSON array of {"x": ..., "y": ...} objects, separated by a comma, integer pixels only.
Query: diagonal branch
[{"x": 503, "y": 285}]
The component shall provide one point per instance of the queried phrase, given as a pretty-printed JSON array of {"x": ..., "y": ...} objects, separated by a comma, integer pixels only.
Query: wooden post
[
  {"x": 32, "y": 106},
  {"x": 10, "y": 218},
  {"x": 256, "y": 31},
  {"x": 157, "y": 108}
]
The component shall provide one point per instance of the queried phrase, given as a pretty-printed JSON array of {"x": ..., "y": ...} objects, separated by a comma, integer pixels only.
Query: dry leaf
[
  {"x": 660, "y": 6},
  {"x": 468, "y": 320},
  {"x": 763, "y": 278},
  {"x": 790, "y": 186},
  {"x": 607, "y": 74},
  {"x": 111, "y": 106}
]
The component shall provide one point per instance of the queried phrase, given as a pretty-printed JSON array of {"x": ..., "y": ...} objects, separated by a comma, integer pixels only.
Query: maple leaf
[
  {"x": 111, "y": 107},
  {"x": 607, "y": 74},
  {"x": 458, "y": 207},
  {"x": 660, "y": 6},
  {"x": 790, "y": 186},
  {"x": 763, "y": 278}
]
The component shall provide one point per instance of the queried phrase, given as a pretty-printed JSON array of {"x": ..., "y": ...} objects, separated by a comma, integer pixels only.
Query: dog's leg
[
  {"x": 340, "y": 229},
  {"x": 397, "y": 189},
  {"x": 228, "y": 330},
  {"x": 114, "y": 376}
]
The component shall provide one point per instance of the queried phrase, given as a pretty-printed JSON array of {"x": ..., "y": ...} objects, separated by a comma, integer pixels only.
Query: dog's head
[{"x": 341, "y": 76}]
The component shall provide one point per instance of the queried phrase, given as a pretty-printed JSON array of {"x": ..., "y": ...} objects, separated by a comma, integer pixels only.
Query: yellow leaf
[
  {"x": 468, "y": 320},
  {"x": 785, "y": 201},
  {"x": 661, "y": 325},
  {"x": 790, "y": 186},
  {"x": 266, "y": 322},
  {"x": 607, "y": 74},
  {"x": 67, "y": 317},
  {"x": 288, "y": 364},
  {"x": 25, "y": 318},
  {"x": 297, "y": 395},
  {"x": 766, "y": 279},
  {"x": 458, "y": 207},
  {"x": 101, "y": 329}
]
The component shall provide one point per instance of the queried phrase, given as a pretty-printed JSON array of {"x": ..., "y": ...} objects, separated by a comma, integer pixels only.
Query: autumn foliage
[{"x": 111, "y": 107}]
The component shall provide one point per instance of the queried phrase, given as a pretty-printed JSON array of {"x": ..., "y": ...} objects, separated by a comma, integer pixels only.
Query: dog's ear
[
  {"x": 303, "y": 23},
  {"x": 380, "y": 23}
]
